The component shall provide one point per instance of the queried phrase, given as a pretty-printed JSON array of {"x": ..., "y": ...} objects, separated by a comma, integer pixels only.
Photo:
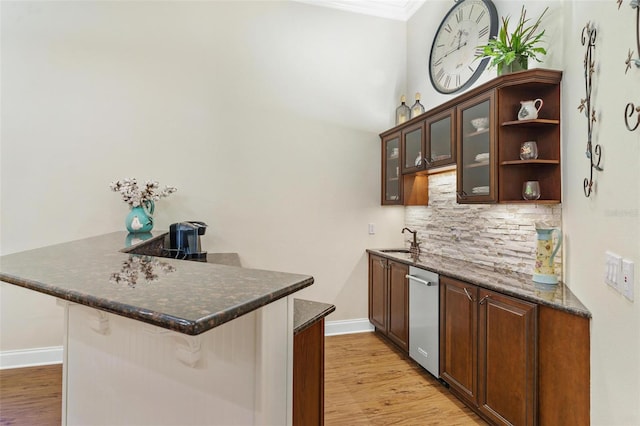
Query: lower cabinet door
[
  {"x": 378, "y": 293},
  {"x": 399, "y": 305},
  {"x": 507, "y": 359},
  {"x": 458, "y": 337}
]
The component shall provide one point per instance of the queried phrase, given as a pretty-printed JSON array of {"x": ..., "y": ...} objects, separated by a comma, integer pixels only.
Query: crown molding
[{"x": 400, "y": 10}]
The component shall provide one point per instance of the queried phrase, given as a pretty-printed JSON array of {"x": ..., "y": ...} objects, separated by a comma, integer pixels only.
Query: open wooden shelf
[
  {"x": 529, "y": 162},
  {"x": 532, "y": 123},
  {"x": 531, "y": 201}
]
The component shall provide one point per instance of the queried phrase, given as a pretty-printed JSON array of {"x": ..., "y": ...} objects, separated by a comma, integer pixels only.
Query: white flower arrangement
[{"x": 135, "y": 196}]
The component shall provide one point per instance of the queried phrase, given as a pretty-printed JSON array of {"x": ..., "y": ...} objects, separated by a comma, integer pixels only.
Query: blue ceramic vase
[{"x": 140, "y": 219}]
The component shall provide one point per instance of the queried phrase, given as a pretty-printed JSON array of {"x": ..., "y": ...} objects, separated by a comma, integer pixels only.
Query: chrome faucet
[{"x": 415, "y": 245}]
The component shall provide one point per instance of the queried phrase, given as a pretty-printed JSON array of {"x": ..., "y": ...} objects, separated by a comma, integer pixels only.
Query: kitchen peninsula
[{"x": 152, "y": 340}]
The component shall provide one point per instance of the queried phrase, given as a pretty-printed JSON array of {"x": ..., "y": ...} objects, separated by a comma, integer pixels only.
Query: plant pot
[{"x": 521, "y": 63}]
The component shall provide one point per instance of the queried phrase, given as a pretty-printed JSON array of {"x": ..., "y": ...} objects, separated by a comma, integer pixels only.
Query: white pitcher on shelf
[{"x": 528, "y": 109}]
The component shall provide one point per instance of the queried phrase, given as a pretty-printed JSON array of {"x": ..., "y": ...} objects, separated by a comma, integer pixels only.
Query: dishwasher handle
[{"x": 420, "y": 280}]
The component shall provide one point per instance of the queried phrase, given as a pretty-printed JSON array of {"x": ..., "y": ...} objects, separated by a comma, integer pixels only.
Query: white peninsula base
[{"x": 119, "y": 371}]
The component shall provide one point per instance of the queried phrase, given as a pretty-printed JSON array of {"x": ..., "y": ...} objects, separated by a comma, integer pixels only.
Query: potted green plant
[{"x": 510, "y": 51}]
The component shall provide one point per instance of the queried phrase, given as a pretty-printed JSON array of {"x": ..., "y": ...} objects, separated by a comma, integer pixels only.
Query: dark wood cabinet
[
  {"x": 398, "y": 316},
  {"x": 487, "y": 159},
  {"x": 488, "y": 351},
  {"x": 459, "y": 337},
  {"x": 378, "y": 293},
  {"x": 308, "y": 376},
  {"x": 476, "y": 172},
  {"x": 489, "y": 167},
  {"x": 413, "y": 148},
  {"x": 391, "y": 175},
  {"x": 429, "y": 143},
  {"x": 440, "y": 144},
  {"x": 389, "y": 299},
  {"x": 545, "y": 131},
  {"x": 507, "y": 359},
  {"x": 498, "y": 353}
]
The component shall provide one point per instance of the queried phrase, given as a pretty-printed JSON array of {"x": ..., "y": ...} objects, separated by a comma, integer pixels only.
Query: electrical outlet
[
  {"x": 372, "y": 228},
  {"x": 626, "y": 283},
  {"x": 612, "y": 269}
]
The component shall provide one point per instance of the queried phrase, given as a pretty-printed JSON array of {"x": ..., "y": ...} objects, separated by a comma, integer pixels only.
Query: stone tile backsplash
[{"x": 502, "y": 236}]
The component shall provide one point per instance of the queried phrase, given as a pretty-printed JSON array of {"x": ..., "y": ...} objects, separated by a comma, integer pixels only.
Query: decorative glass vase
[
  {"x": 403, "y": 112},
  {"x": 140, "y": 219}
]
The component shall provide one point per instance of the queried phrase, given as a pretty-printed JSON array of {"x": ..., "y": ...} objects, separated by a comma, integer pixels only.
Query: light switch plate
[
  {"x": 626, "y": 283},
  {"x": 612, "y": 269}
]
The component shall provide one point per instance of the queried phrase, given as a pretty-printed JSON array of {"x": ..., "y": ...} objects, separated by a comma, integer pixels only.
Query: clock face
[{"x": 452, "y": 64}]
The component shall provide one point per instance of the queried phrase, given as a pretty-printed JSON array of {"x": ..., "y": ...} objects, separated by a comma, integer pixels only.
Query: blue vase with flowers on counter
[{"x": 141, "y": 201}]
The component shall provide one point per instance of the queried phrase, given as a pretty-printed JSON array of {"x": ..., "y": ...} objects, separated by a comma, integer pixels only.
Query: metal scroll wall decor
[
  {"x": 631, "y": 110},
  {"x": 593, "y": 152}
]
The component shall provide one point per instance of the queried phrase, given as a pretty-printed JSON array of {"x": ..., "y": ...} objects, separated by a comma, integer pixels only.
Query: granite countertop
[
  {"x": 516, "y": 284},
  {"x": 186, "y": 296},
  {"x": 307, "y": 312}
]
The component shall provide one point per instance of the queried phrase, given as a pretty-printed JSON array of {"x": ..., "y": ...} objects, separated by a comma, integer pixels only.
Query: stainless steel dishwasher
[{"x": 424, "y": 319}]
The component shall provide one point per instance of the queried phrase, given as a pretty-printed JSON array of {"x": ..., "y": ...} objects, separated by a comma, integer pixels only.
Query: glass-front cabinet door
[
  {"x": 440, "y": 140},
  {"x": 413, "y": 150},
  {"x": 391, "y": 176},
  {"x": 476, "y": 182}
]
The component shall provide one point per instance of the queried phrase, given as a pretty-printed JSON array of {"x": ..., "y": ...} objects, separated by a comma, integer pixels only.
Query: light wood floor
[
  {"x": 367, "y": 382},
  {"x": 31, "y": 396}
]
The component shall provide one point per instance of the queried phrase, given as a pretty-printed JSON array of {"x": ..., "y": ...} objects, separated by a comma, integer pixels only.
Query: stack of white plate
[
  {"x": 478, "y": 190},
  {"x": 482, "y": 157}
]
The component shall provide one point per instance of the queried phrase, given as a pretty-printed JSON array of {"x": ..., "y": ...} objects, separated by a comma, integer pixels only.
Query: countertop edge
[
  {"x": 311, "y": 312},
  {"x": 158, "y": 319},
  {"x": 579, "y": 310},
  {"x": 205, "y": 324}
]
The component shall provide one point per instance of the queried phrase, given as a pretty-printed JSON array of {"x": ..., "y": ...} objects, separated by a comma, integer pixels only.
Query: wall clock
[{"x": 452, "y": 63}]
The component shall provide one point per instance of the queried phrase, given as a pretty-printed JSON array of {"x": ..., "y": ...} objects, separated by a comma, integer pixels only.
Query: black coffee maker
[{"x": 184, "y": 241}]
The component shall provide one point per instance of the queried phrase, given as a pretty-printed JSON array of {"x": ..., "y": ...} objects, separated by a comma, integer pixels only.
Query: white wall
[
  {"x": 610, "y": 218},
  {"x": 265, "y": 115}
]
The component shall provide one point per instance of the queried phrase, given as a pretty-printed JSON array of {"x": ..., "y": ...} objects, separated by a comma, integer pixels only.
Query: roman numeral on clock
[
  {"x": 483, "y": 32},
  {"x": 479, "y": 18}
]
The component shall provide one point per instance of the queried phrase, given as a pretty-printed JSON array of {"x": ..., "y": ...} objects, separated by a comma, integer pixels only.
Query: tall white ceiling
[{"x": 400, "y": 10}]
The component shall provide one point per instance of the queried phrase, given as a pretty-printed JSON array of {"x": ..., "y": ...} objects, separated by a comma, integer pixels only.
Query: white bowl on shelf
[{"x": 481, "y": 123}]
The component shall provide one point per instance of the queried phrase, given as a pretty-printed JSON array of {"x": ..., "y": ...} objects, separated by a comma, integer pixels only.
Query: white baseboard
[
  {"x": 53, "y": 355},
  {"x": 334, "y": 328},
  {"x": 31, "y": 357}
]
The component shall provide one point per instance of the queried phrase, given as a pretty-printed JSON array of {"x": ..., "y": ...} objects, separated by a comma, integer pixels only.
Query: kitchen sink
[{"x": 396, "y": 251}]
